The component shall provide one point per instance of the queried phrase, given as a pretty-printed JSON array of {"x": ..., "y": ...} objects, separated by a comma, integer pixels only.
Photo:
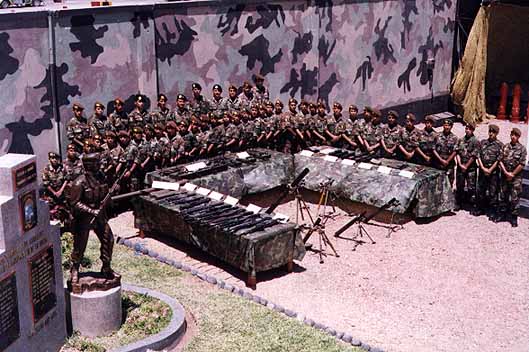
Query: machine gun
[
  {"x": 294, "y": 184},
  {"x": 362, "y": 218}
]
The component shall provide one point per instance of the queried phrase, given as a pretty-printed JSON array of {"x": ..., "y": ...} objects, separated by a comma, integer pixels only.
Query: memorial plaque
[
  {"x": 9, "y": 324},
  {"x": 28, "y": 210},
  {"x": 25, "y": 175},
  {"x": 42, "y": 280}
]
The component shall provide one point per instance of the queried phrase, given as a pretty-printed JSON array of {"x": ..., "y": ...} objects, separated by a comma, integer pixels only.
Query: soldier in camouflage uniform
[
  {"x": 118, "y": 119},
  {"x": 445, "y": 150},
  {"x": 180, "y": 113},
  {"x": 233, "y": 103},
  {"x": 198, "y": 104},
  {"x": 77, "y": 128},
  {"x": 54, "y": 183},
  {"x": 139, "y": 116},
  {"x": 132, "y": 159},
  {"x": 233, "y": 133},
  {"x": 160, "y": 146},
  {"x": 246, "y": 97},
  {"x": 427, "y": 142},
  {"x": 320, "y": 124},
  {"x": 98, "y": 122},
  {"x": 512, "y": 162},
  {"x": 216, "y": 138},
  {"x": 391, "y": 135},
  {"x": 111, "y": 156},
  {"x": 357, "y": 125},
  {"x": 161, "y": 113},
  {"x": 259, "y": 91},
  {"x": 174, "y": 150},
  {"x": 217, "y": 104},
  {"x": 247, "y": 128},
  {"x": 372, "y": 134},
  {"x": 409, "y": 139},
  {"x": 147, "y": 150},
  {"x": 489, "y": 174},
  {"x": 72, "y": 164},
  {"x": 466, "y": 176}
]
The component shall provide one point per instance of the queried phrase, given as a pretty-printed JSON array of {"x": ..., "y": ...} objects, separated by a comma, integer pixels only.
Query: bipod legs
[{"x": 361, "y": 232}]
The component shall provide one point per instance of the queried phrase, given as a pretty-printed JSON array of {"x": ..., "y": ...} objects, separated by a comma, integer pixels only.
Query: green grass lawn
[{"x": 225, "y": 322}]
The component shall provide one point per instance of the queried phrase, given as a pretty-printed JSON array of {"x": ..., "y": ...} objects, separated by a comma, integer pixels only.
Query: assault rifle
[{"x": 108, "y": 198}]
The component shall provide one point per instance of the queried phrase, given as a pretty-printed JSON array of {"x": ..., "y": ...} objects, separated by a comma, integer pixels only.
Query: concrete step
[{"x": 524, "y": 208}]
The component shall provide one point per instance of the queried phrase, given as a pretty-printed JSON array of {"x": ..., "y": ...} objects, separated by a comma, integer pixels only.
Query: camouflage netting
[{"x": 468, "y": 85}]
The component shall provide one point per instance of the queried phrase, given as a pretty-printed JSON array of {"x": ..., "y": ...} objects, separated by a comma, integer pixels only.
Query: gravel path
[{"x": 459, "y": 283}]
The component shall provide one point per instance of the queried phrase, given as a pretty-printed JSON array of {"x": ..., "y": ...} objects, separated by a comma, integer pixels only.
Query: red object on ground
[
  {"x": 516, "y": 95},
  {"x": 502, "y": 109}
]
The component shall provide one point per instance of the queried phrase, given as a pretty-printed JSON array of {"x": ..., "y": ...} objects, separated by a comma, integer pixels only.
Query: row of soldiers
[{"x": 192, "y": 131}]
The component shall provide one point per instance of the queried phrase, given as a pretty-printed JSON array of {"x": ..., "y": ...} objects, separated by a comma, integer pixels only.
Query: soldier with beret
[
  {"x": 54, "y": 182},
  {"x": 162, "y": 111},
  {"x": 490, "y": 150},
  {"x": 247, "y": 97},
  {"x": 139, "y": 116},
  {"x": 466, "y": 177},
  {"x": 133, "y": 159},
  {"x": 445, "y": 150},
  {"x": 409, "y": 139},
  {"x": 259, "y": 91},
  {"x": 512, "y": 162},
  {"x": 427, "y": 142},
  {"x": 180, "y": 113},
  {"x": 198, "y": 105},
  {"x": 111, "y": 156},
  {"x": 98, "y": 122},
  {"x": 343, "y": 131},
  {"x": 77, "y": 122},
  {"x": 373, "y": 133},
  {"x": 233, "y": 102},
  {"x": 391, "y": 135},
  {"x": 217, "y": 104},
  {"x": 174, "y": 150},
  {"x": 72, "y": 164},
  {"x": 160, "y": 146},
  {"x": 118, "y": 119}
]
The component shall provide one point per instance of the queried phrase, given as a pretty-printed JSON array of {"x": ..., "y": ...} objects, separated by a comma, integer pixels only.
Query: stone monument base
[
  {"x": 91, "y": 281},
  {"x": 96, "y": 313}
]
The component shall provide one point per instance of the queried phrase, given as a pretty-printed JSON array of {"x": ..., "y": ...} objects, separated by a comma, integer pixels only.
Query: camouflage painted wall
[
  {"x": 367, "y": 52},
  {"x": 27, "y": 125},
  {"x": 104, "y": 55}
]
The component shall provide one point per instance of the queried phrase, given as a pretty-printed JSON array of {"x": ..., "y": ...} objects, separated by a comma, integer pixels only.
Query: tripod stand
[{"x": 318, "y": 226}]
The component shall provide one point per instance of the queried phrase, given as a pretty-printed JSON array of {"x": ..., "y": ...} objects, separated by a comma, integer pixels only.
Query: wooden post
[
  {"x": 516, "y": 95},
  {"x": 502, "y": 109}
]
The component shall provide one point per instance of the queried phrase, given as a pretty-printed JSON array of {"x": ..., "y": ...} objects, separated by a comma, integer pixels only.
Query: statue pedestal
[{"x": 96, "y": 313}]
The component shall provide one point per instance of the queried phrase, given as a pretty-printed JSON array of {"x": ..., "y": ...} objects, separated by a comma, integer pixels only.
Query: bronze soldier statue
[{"x": 86, "y": 197}]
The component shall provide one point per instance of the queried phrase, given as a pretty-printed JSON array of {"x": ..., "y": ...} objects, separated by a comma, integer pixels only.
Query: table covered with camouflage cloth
[
  {"x": 254, "y": 252},
  {"x": 240, "y": 177},
  {"x": 425, "y": 193}
]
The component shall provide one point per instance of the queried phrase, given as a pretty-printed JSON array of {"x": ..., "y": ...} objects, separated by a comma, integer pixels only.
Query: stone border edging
[
  {"x": 175, "y": 329},
  {"x": 342, "y": 336}
]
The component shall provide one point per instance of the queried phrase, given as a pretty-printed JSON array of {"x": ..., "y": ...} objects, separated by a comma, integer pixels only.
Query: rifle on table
[
  {"x": 294, "y": 184},
  {"x": 365, "y": 219}
]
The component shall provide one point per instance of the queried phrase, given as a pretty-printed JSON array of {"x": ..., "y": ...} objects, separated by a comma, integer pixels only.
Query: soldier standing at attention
[
  {"x": 217, "y": 104},
  {"x": 427, "y": 142},
  {"x": 467, "y": 152},
  {"x": 409, "y": 139},
  {"x": 180, "y": 113},
  {"x": 489, "y": 174},
  {"x": 118, "y": 119},
  {"x": 78, "y": 121},
  {"x": 373, "y": 134},
  {"x": 160, "y": 114},
  {"x": 54, "y": 183},
  {"x": 198, "y": 105},
  {"x": 98, "y": 122},
  {"x": 260, "y": 92},
  {"x": 233, "y": 103},
  {"x": 246, "y": 97},
  {"x": 72, "y": 164},
  {"x": 512, "y": 162},
  {"x": 445, "y": 150},
  {"x": 391, "y": 135},
  {"x": 138, "y": 117}
]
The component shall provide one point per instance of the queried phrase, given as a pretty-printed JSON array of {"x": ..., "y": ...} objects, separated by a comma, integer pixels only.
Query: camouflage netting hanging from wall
[{"x": 468, "y": 85}]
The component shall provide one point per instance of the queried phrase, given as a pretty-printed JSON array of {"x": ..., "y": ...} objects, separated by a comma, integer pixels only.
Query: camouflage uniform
[
  {"x": 427, "y": 143},
  {"x": 511, "y": 157},
  {"x": 246, "y": 101},
  {"x": 248, "y": 133},
  {"x": 409, "y": 140},
  {"x": 489, "y": 185},
  {"x": 467, "y": 148},
  {"x": 98, "y": 125},
  {"x": 132, "y": 155},
  {"x": 372, "y": 134},
  {"x": 234, "y": 104},
  {"x": 176, "y": 146},
  {"x": 118, "y": 121},
  {"x": 138, "y": 118},
  {"x": 160, "y": 116},
  {"x": 445, "y": 146},
  {"x": 54, "y": 178},
  {"x": 72, "y": 168},
  {"x": 110, "y": 161},
  {"x": 218, "y": 107},
  {"x": 199, "y": 106},
  {"x": 232, "y": 132},
  {"x": 75, "y": 123},
  {"x": 260, "y": 94},
  {"x": 391, "y": 136},
  {"x": 180, "y": 115}
]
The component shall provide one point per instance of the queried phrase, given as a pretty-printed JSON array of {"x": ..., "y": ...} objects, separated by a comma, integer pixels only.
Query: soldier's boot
[
  {"x": 74, "y": 273},
  {"x": 513, "y": 220},
  {"x": 498, "y": 216}
]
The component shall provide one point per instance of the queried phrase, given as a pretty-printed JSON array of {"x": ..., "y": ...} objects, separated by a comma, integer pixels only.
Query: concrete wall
[{"x": 363, "y": 52}]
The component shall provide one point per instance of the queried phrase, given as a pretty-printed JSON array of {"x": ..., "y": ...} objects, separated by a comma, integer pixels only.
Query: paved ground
[{"x": 459, "y": 283}]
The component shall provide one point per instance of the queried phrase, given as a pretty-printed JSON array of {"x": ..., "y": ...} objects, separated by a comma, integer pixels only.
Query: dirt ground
[{"x": 456, "y": 283}]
